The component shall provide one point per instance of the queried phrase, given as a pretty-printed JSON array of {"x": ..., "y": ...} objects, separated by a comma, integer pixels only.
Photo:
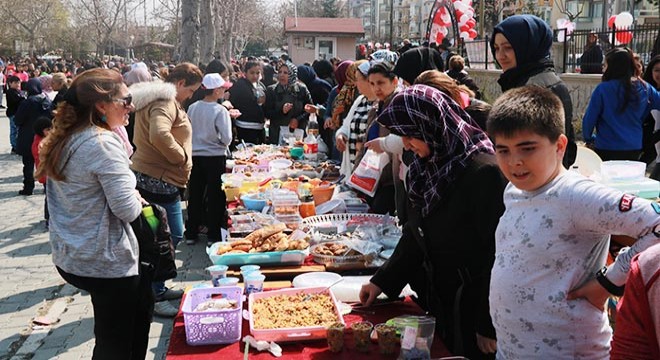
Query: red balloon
[
  {"x": 473, "y": 33},
  {"x": 472, "y": 23},
  {"x": 610, "y": 21},
  {"x": 624, "y": 37},
  {"x": 439, "y": 37},
  {"x": 458, "y": 14},
  {"x": 465, "y": 28}
]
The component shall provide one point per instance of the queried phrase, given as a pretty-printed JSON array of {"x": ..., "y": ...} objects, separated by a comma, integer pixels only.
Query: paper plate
[{"x": 312, "y": 279}]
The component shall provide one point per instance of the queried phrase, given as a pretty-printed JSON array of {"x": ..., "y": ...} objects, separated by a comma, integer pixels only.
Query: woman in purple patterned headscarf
[{"x": 447, "y": 248}]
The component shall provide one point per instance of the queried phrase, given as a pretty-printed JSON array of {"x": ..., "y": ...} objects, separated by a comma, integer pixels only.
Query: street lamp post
[{"x": 130, "y": 47}]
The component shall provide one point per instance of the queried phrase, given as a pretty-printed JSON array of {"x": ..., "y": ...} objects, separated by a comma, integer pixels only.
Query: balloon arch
[{"x": 450, "y": 20}]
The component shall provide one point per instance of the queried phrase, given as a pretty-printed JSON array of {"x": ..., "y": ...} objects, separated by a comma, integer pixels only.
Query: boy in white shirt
[
  {"x": 547, "y": 294},
  {"x": 211, "y": 135}
]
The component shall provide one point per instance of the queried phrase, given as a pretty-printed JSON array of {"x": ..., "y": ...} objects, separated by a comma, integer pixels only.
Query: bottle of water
[{"x": 148, "y": 213}]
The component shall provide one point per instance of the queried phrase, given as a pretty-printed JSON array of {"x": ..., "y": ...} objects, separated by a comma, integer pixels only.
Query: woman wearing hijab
[
  {"x": 521, "y": 45},
  {"x": 325, "y": 71},
  {"x": 447, "y": 249},
  {"x": 415, "y": 61},
  {"x": 286, "y": 102},
  {"x": 328, "y": 131},
  {"x": 346, "y": 93},
  {"x": 319, "y": 89}
]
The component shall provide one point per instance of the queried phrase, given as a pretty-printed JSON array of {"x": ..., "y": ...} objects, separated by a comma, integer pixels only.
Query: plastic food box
[
  {"x": 645, "y": 188},
  {"x": 622, "y": 170},
  {"x": 291, "y": 334},
  {"x": 212, "y": 327},
  {"x": 289, "y": 257}
]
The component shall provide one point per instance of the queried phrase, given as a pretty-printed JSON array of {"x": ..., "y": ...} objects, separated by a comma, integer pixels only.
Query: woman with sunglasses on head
[
  {"x": 163, "y": 157},
  {"x": 92, "y": 201},
  {"x": 617, "y": 109}
]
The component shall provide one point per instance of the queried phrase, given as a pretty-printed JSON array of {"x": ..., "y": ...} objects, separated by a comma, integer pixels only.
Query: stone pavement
[{"x": 30, "y": 286}]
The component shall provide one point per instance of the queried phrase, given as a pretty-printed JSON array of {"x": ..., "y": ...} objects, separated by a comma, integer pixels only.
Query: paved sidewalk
[{"x": 31, "y": 287}]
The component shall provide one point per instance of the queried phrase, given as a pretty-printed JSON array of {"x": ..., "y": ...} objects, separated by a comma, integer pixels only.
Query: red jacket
[{"x": 635, "y": 335}]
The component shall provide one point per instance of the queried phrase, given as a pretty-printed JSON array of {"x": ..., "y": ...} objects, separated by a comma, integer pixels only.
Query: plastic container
[
  {"x": 645, "y": 188},
  {"x": 291, "y": 334},
  {"x": 296, "y": 152},
  {"x": 254, "y": 283},
  {"x": 335, "y": 206},
  {"x": 212, "y": 327},
  {"x": 232, "y": 193},
  {"x": 289, "y": 257},
  {"x": 228, "y": 281},
  {"x": 279, "y": 164},
  {"x": 307, "y": 207},
  {"x": 323, "y": 194},
  {"x": 151, "y": 218},
  {"x": 217, "y": 272},
  {"x": 622, "y": 170},
  {"x": 252, "y": 203},
  {"x": 292, "y": 222},
  {"x": 416, "y": 336},
  {"x": 362, "y": 335}
]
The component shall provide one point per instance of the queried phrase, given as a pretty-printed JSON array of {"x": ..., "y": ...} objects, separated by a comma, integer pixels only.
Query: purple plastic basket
[{"x": 212, "y": 327}]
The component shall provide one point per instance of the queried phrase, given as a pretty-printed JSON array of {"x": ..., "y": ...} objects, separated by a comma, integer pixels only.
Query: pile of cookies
[{"x": 269, "y": 238}]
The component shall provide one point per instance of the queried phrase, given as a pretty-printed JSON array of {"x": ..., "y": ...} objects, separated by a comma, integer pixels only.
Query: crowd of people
[{"x": 501, "y": 243}]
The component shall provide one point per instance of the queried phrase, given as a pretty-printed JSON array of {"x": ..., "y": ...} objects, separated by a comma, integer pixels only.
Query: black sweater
[
  {"x": 459, "y": 236},
  {"x": 242, "y": 98},
  {"x": 14, "y": 99}
]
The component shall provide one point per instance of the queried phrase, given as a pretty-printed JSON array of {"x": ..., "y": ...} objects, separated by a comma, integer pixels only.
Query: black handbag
[{"x": 156, "y": 248}]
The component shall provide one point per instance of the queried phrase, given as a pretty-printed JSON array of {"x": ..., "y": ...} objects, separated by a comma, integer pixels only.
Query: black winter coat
[
  {"x": 28, "y": 112},
  {"x": 451, "y": 252}
]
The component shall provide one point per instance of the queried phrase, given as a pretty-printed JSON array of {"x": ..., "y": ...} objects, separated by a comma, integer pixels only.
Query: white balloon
[
  {"x": 460, "y": 6},
  {"x": 469, "y": 13},
  {"x": 623, "y": 20},
  {"x": 446, "y": 19},
  {"x": 444, "y": 31},
  {"x": 465, "y": 35},
  {"x": 467, "y": 2},
  {"x": 464, "y": 19}
]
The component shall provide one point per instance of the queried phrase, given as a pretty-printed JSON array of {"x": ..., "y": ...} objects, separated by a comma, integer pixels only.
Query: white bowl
[
  {"x": 312, "y": 279},
  {"x": 279, "y": 164}
]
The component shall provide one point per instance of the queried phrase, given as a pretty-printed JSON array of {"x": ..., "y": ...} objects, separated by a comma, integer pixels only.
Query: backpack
[{"x": 156, "y": 249}]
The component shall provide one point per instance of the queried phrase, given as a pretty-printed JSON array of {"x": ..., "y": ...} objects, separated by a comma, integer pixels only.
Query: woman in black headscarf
[
  {"x": 521, "y": 45},
  {"x": 325, "y": 71},
  {"x": 415, "y": 61},
  {"x": 285, "y": 102},
  {"x": 447, "y": 248}
]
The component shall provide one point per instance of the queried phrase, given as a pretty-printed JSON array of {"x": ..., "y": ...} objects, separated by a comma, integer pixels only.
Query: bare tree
[
  {"x": 169, "y": 11},
  {"x": 32, "y": 20},
  {"x": 190, "y": 31},
  {"x": 102, "y": 17},
  {"x": 565, "y": 8}
]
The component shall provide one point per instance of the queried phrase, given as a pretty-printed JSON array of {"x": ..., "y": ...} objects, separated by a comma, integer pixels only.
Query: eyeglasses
[{"x": 126, "y": 101}]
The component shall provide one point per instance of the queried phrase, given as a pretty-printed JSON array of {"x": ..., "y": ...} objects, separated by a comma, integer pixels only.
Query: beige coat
[{"x": 162, "y": 135}]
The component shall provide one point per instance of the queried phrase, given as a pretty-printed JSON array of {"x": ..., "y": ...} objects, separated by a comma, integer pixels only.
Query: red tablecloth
[{"x": 318, "y": 349}]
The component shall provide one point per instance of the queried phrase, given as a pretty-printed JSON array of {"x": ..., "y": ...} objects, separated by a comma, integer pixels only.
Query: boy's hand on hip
[
  {"x": 593, "y": 292},
  {"x": 486, "y": 344}
]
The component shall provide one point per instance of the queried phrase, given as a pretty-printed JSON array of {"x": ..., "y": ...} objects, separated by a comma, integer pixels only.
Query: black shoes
[{"x": 25, "y": 192}]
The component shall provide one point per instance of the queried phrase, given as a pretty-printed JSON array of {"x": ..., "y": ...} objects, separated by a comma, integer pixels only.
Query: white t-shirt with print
[{"x": 549, "y": 242}]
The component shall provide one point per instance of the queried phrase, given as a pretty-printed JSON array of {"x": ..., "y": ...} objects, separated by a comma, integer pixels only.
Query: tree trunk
[
  {"x": 207, "y": 31},
  {"x": 190, "y": 31}
]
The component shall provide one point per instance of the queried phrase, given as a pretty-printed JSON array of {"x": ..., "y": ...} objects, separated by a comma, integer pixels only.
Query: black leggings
[
  {"x": 123, "y": 308},
  {"x": 28, "y": 172}
]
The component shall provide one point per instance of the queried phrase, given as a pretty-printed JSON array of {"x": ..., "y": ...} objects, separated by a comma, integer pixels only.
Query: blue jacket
[{"x": 618, "y": 131}]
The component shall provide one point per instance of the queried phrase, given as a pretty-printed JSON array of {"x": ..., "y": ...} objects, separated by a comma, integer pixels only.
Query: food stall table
[
  {"x": 316, "y": 349},
  {"x": 282, "y": 272}
]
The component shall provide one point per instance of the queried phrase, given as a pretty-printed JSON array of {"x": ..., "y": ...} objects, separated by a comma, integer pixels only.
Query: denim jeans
[
  {"x": 175, "y": 221},
  {"x": 13, "y": 133}
]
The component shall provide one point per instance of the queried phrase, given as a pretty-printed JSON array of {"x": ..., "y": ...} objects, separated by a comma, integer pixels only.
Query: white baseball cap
[{"x": 214, "y": 81}]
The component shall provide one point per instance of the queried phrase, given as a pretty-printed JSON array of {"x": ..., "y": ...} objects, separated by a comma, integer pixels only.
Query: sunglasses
[{"x": 126, "y": 101}]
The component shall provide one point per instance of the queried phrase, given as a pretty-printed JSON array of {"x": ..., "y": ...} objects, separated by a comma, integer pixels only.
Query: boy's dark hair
[
  {"x": 528, "y": 108},
  {"x": 384, "y": 68},
  {"x": 42, "y": 123},
  {"x": 13, "y": 79}
]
